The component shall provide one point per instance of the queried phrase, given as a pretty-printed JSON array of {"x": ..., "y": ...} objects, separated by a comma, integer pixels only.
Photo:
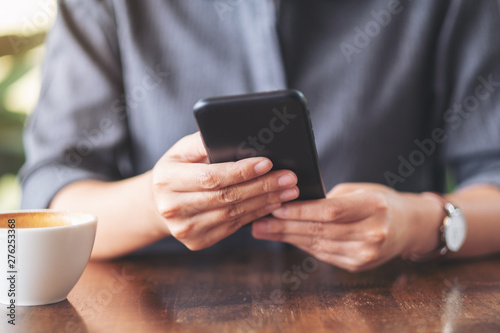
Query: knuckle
[
  {"x": 170, "y": 211},
  {"x": 316, "y": 245},
  {"x": 228, "y": 195},
  {"x": 267, "y": 186},
  {"x": 231, "y": 212},
  {"x": 333, "y": 211},
  {"x": 378, "y": 238},
  {"x": 209, "y": 180},
  {"x": 367, "y": 256},
  {"x": 182, "y": 232},
  {"x": 240, "y": 174},
  {"x": 316, "y": 228},
  {"x": 381, "y": 204},
  {"x": 159, "y": 183},
  {"x": 235, "y": 225},
  {"x": 194, "y": 246}
]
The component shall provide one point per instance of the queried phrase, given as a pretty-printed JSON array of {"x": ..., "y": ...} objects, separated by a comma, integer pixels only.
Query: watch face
[{"x": 455, "y": 230}]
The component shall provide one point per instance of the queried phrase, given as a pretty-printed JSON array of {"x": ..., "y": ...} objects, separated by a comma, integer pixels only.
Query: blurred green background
[{"x": 23, "y": 25}]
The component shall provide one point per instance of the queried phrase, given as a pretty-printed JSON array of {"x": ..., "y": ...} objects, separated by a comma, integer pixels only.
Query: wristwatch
[{"x": 452, "y": 231}]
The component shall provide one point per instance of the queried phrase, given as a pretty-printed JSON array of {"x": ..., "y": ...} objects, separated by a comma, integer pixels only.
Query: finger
[
  {"x": 344, "y": 188},
  {"x": 332, "y": 231},
  {"x": 343, "y": 254},
  {"x": 350, "y": 207},
  {"x": 312, "y": 244},
  {"x": 189, "y": 149},
  {"x": 196, "y": 177},
  {"x": 212, "y": 230},
  {"x": 336, "y": 259},
  {"x": 232, "y": 213},
  {"x": 190, "y": 203},
  {"x": 221, "y": 231}
]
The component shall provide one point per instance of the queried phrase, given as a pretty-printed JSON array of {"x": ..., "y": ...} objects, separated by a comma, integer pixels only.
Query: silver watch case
[{"x": 454, "y": 228}]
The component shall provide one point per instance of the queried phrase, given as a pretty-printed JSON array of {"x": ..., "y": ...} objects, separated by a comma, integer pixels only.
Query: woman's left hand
[{"x": 358, "y": 226}]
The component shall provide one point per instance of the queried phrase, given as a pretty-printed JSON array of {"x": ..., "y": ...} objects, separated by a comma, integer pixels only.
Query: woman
[{"x": 398, "y": 92}]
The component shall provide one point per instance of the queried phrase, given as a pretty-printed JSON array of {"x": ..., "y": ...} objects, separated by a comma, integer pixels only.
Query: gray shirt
[{"x": 398, "y": 90}]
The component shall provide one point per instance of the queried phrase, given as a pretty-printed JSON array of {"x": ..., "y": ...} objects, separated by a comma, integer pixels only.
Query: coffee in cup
[{"x": 43, "y": 254}]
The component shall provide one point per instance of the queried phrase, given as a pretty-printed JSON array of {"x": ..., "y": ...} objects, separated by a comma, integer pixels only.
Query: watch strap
[{"x": 441, "y": 249}]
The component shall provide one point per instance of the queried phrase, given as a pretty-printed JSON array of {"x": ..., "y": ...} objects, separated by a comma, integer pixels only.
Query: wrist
[
  {"x": 158, "y": 223},
  {"x": 426, "y": 222}
]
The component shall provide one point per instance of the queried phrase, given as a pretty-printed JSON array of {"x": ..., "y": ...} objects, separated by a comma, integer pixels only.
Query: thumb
[{"x": 189, "y": 149}]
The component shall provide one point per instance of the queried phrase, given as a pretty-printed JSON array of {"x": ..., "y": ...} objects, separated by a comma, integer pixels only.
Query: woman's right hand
[{"x": 203, "y": 203}]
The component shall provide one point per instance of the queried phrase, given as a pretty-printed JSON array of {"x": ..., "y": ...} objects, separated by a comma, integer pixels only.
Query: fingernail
[
  {"x": 289, "y": 194},
  {"x": 287, "y": 180},
  {"x": 262, "y": 167},
  {"x": 281, "y": 212},
  {"x": 270, "y": 208}
]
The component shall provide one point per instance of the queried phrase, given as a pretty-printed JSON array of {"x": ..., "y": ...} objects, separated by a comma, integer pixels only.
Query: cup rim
[{"x": 87, "y": 218}]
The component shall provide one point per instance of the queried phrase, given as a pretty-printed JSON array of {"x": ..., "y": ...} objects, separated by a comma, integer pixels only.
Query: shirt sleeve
[
  {"x": 79, "y": 127},
  {"x": 468, "y": 79}
]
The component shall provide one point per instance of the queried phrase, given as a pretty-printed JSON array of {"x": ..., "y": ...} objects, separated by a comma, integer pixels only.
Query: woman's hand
[
  {"x": 358, "y": 226},
  {"x": 203, "y": 203}
]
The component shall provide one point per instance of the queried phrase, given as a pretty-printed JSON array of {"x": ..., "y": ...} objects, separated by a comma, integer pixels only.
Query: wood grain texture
[{"x": 273, "y": 291}]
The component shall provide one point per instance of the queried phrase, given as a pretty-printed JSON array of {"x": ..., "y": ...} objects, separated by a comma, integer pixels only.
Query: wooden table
[{"x": 272, "y": 291}]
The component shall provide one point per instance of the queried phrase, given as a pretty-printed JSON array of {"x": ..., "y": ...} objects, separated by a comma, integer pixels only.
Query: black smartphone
[{"x": 274, "y": 124}]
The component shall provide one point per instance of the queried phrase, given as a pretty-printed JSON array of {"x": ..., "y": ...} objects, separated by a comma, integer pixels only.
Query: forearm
[
  {"x": 481, "y": 207},
  {"x": 128, "y": 219}
]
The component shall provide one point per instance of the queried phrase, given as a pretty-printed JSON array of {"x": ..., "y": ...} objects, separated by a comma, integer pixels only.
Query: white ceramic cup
[{"x": 43, "y": 254}]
